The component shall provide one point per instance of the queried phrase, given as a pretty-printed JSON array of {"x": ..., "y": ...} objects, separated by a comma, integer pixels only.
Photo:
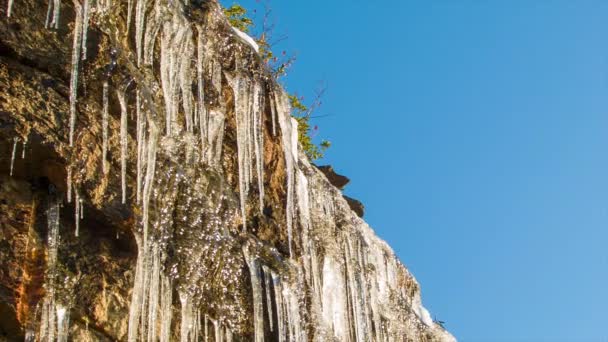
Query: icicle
[
  {"x": 266, "y": 273},
  {"x": 123, "y": 143},
  {"x": 140, "y": 122},
  {"x": 75, "y": 59},
  {"x": 289, "y": 135},
  {"x": 137, "y": 296},
  {"x": 153, "y": 286},
  {"x": 140, "y": 12},
  {"x": 258, "y": 140},
  {"x": 104, "y": 128},
  {"x": 185, "y": 77},
  {"x": 148, "y": 186},
  {"x": 217, "y": 330},
  {"x": 282, "y": 330},
  {"x": 49, "y": 10},
  {"x": 63, "y": 324},
  {"x": 228, "y": 334},
  {"x": 56, "y": 11},
  {"x": 188, "y": 324},
  {"x": 206, "y": 328},
  {"x": 273, "y": 112},
  {"x": 129, "y": 12},
  {"x": 9, "y": 8},
  {"x": 85, "y": 27},
  {"x": 334, "y": 298},
  {"x": 215, "y": 137},
  {"x": 165, "y": 306},
  {"x": 76, "y": 211},
  {"x": 24, "y": 146},
  {"x": 15, "y": 141},
  {"x": 256, "y": 285},
  {"x": 202, "y": 112},
  {"x": 69, "y": 184}
]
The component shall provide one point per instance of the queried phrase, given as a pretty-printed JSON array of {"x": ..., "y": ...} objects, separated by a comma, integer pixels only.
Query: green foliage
[
  {"x": 305, "y": 132},
  {"x": 237, "y": 16}
]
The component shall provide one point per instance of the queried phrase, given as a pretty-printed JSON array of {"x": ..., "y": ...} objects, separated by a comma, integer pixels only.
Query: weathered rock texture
[{"x": 179, "y": 260}]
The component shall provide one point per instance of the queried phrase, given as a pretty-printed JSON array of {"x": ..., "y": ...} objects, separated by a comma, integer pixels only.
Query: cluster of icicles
[{"x": 351, "y": 287}]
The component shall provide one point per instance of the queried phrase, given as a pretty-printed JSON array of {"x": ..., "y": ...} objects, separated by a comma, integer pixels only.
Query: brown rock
[{"x": 337, "y": 180}]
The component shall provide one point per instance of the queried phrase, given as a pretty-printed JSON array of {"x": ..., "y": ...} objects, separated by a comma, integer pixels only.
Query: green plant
[
  {"x": 237, "y": 16},
  {"x": 302, "y": 114}
]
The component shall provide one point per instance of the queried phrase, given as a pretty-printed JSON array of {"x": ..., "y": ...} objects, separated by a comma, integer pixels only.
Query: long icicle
[
  {"x": 104, "y": 128},
  {"x": 15, "y": 141},
  {"x": 140, "y": 122},
  {"x": 256, "y": 286},
  {"x": 24, "y": 146},
  {"x": 76, "y": 212},
  {"x": 267, "y": 275},
  {"x": 75, "y": 61},
  {"x": 56, "y": 12},
  {"x": 123, "y": 143},
  {"x": 85, "y": 27},
  {"x": 129, "y": 12},
  {"x": 9, "y": 8},
  {"x": 140, "y": 12},
  {"x": 69, "y": 183}
]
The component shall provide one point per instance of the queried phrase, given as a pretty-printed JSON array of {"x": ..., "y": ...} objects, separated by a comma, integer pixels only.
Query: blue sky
[{"x": 476, "y": 134}]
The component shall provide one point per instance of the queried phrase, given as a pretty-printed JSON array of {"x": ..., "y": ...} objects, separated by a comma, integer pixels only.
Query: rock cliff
[{"x": 152, "y": 189}]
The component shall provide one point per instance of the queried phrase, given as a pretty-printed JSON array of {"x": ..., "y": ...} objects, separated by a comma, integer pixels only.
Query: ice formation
[
  {"x": 124, "y": 147},
  {"x": 9, "y": 8},
  {"x": 15, "y": 142},
  {"x": 247, "y": 39},
  {"x": 333, "y": 279},
  {"x": 77, "y": 33},
  {"x": 104, "y": 127}
]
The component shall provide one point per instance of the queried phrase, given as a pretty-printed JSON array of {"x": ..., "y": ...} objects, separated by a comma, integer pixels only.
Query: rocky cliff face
[{"x": 152, "y": 189}]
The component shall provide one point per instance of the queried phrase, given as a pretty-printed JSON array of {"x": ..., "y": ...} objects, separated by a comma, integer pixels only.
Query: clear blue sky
[{"x": 476, "y": 134}]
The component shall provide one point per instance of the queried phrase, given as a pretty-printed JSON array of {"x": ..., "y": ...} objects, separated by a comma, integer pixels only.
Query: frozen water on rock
[
  {"x": 9, "y": 8},
  {"x": 77, "y": 207},
  {"x": 15, "y": 142},
  {"x": 85, "y": 26},
  {"x": 247, "y": 39},
  {"x": 23, "y": 148},
  {"x": 104, "y": 128},
  {"x": 340, "y": 281},
  {"x": 289, "y": 135},
  {"x": 123, "y": 143},
  {"x": 77, "y": 33},
  {"x": 256, "y": 285}
]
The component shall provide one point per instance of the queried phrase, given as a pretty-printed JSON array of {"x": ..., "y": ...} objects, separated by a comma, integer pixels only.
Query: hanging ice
[
  {"x": 140, "y": 12},
  {"x": 9, "y": 8},
  {"x": 256, "y": 285},
  {"x": 123, "y": 143},
  {"x": 289, "y": 135},
  {"x": 104, "y": 128},
  {"x": 247, "y": 39},
  {"x": 85, "y": 27},
  {"x": 75, "y": 60},
  {"x": 77, "y": 206},
  {"x": 63, "y": 323},
  {"x": 141, "y": 126},
  {"x": 15, "y": 141},
  {"x": 69, "y": 184},
  {"x": 267, "y": 275},
  {"x": 24, "y": 146}
]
